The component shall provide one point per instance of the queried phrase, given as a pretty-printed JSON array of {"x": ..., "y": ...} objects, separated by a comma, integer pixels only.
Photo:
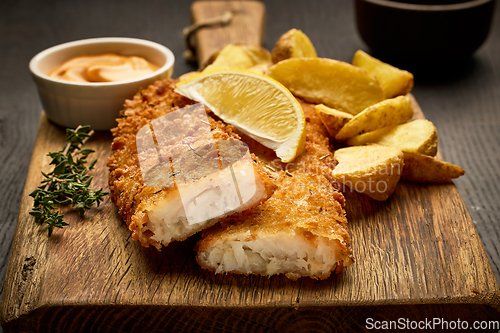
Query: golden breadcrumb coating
[
  {"x": 306, "y": 204},
  {"x": 127, "y": 188}
]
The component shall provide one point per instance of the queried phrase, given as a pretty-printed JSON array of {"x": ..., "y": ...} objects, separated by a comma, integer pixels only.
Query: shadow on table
[{"x": 443, "y": 71}]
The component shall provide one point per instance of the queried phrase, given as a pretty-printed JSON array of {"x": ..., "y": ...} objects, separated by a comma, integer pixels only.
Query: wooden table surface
[{"x": 463, "y": 104}]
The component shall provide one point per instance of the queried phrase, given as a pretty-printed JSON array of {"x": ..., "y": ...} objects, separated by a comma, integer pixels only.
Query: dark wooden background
[{"x": 464, "y": 103}]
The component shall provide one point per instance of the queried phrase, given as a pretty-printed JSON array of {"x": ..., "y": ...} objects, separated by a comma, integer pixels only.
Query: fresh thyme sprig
[{"x": 69, "y": 182}]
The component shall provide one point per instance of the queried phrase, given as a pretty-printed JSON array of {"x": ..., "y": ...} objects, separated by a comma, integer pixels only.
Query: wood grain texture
[
  {"x": 246, "y": 27},
  {"x": 418, "y": 255},
  {"x": 463, "y": 103}
]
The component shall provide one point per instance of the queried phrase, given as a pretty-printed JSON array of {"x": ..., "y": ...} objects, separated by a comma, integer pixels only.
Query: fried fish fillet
[
  {"x": 301, "y": 230},
  {"x": 164, "y": 201}
]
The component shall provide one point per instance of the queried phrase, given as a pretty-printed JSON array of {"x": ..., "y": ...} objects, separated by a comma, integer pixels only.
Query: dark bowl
[{"x": 415, "y": 31}]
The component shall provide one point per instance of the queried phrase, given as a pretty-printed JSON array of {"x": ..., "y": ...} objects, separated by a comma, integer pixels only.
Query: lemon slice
[{"x": 257, "y": 105}]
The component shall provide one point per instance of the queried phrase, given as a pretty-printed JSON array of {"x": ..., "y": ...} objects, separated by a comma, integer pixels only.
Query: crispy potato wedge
[
  {"x": 426, "y": 169},
  {"x": 394, "y": 81},
  {"x": 293, "y": 44},
  {"x": 333, "y": 119},
  {"x": 389, "y": 112},
  {"x": 187, "y": 75},
  {"x": 246, "y": 57},
  {"x": 336, "y": 84},
  {"x": 373, "y": 170},
  {"x": 418, "y": 136}
]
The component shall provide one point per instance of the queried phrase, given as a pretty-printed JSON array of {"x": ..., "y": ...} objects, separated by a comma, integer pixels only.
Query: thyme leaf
[{"x": 68, "y": 184}]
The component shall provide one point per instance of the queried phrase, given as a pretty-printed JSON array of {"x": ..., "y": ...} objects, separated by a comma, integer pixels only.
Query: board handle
[{"x": 219, "y": 23}]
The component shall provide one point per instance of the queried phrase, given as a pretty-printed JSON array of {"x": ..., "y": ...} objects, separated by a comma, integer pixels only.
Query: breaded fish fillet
[
  {"x": 163, "y": 199},
  {"x": 300, "y": 231}
]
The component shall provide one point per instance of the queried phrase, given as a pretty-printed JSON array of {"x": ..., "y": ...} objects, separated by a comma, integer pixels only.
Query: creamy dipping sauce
[{"x": 108, "y": 67}]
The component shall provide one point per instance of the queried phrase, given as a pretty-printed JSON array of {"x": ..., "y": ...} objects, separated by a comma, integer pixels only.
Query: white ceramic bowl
[{"x": 98, "y": 103}]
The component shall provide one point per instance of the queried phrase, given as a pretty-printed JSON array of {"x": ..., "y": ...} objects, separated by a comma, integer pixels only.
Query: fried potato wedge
[
  {"x": 187, "y": 75},
  {"x": 336, "y": 84},
  {"x": 333, "y": 119},
  {"x": 373, "y": 170},
  {"x": 426, "y": 169},
  {"x": 293, "y": 44},
  {"x": 418, "y": 136},
  {"x": 251, "y": 58},
  {"x": 389, "y": 112},
  {"x": 394, "y": 81}
]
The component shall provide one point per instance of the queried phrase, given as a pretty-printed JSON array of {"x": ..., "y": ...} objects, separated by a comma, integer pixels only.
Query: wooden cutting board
[{"x": 418, "y": 257}]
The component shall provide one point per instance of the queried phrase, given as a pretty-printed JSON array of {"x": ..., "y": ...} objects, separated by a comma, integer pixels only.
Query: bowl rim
[
  {"x": 101, "y": 40},
  {"x": 429, "y": 8}
]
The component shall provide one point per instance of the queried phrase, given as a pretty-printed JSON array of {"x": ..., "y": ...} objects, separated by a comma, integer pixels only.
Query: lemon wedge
[{"x": 257, "y": 105}]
